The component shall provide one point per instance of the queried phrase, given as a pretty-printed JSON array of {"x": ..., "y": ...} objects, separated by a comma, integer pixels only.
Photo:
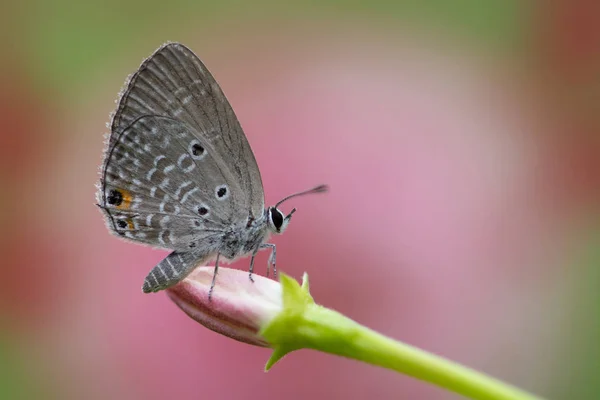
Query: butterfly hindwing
[{"x": 162, "y": 186}]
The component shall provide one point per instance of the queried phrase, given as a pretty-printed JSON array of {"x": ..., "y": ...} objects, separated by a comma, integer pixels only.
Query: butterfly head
[{"x": 276, "y": 221}]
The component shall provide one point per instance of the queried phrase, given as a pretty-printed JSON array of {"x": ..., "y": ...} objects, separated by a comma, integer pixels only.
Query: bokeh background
[{"x": 461, "y": 143}]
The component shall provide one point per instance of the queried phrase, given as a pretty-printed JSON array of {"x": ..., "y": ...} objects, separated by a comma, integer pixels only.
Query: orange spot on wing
[
  {"x": 130, "y": 223},
  {"x": 127, "y": 197}
]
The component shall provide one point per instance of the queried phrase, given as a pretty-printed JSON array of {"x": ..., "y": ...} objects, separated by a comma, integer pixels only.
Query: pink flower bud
[{"x": 238, "y": 307}]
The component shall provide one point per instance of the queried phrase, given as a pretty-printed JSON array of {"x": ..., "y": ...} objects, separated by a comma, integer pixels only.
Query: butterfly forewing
[{"x": 159, "y": 171}]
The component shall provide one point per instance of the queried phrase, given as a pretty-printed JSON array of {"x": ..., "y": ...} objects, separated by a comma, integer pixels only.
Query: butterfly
[{"x": 179, "y": 174}]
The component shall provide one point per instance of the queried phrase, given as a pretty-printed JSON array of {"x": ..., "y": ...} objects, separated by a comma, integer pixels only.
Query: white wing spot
[
  {"x": 169, "y": 168},
  {"x": 164, "y": 221},
  {"x": 149, "y": 219},
  {"x": 150, "y": 173},
  {"x": 188, "y": 194},
  {"x": 190, "y": 168},
  {"x": 163, "y": 203},
  {"x": 181, "y": 187},
  {"x": 164, "y": 183},
  {"x": 152, "y": 191},
  {"x": 136, "y": 203},
  {"x": 158, "y": 158},
  {"x": 180, "y": 160},
  {"x": 187, "y": 99}
]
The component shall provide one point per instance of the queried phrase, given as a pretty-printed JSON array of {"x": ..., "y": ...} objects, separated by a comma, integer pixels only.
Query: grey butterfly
[{"x": 179, "y": 174}]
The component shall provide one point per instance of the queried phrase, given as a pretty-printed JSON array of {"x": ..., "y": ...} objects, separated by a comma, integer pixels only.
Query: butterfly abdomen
[{"x": 172, "y": 269}]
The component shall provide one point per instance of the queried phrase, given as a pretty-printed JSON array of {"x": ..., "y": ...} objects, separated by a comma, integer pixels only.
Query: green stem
[
  {"x": 304, "y": 324},
  {"x": 349, "y": 339}
]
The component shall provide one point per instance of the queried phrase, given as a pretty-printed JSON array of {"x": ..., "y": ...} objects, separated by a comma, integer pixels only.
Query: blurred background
[{"x": 461, "y": 143}]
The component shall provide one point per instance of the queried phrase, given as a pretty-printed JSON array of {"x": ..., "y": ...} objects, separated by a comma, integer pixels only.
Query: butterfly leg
[
  {"x": 214, "y": 279},
  {"x": 252, "y": 264},
  {"x": 272, "y": 258}
]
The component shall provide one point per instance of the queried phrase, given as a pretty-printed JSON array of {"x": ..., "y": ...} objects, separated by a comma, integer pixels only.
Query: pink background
[{"x": 464, "y": 194}]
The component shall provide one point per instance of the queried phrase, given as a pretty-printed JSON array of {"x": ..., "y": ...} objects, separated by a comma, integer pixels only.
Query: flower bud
[{"x": 238, "y": 308}]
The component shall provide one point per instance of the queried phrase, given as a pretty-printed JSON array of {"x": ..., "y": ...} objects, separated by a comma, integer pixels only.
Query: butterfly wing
[
  {"x": 174, "y": 83},
  {"x": 162, "y": 186}
]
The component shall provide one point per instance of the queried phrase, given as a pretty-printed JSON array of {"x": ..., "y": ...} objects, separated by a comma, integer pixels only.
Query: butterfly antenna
[{"x": 316, "y": 189}]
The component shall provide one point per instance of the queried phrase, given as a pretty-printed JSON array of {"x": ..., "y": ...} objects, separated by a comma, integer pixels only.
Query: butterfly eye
[{"x": 276, "y": 218}]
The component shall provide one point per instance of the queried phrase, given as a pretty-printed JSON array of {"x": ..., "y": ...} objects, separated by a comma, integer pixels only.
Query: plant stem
[{"x": 329, "y": 331}]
